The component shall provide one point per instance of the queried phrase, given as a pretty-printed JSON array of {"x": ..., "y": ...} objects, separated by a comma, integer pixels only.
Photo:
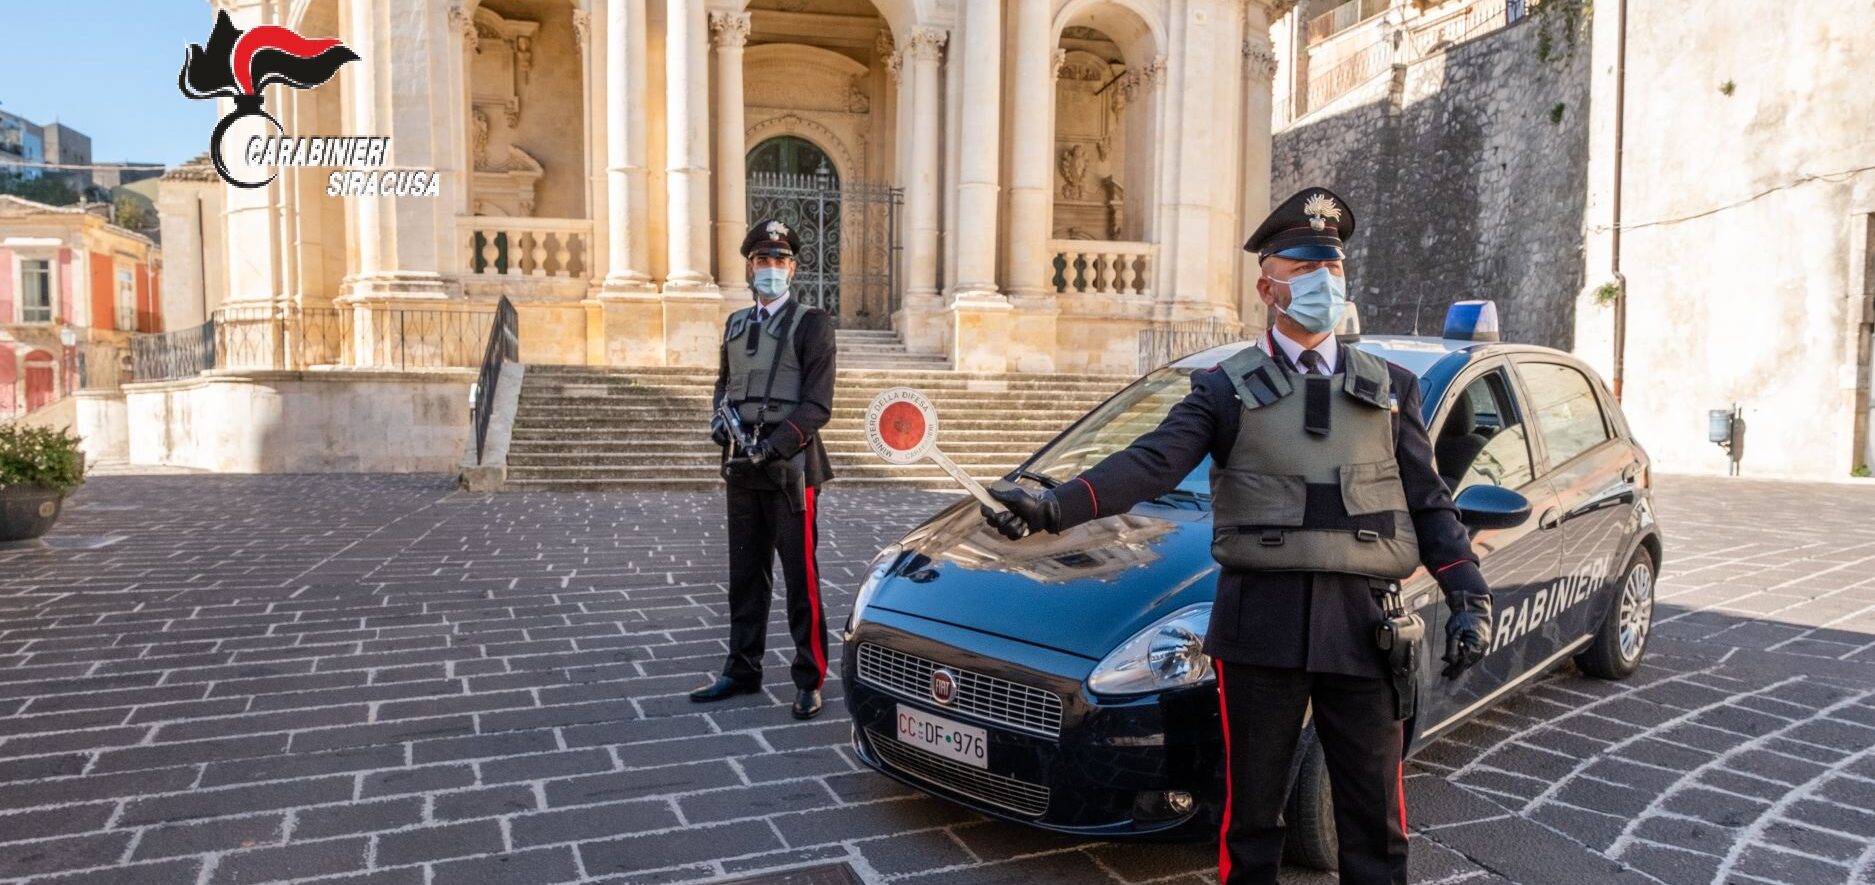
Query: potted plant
[{"x": 38, "y": 466}]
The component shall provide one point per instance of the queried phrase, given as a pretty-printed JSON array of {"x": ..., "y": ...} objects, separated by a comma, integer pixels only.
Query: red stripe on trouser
[
  {"x": 1223, "y": 833},
  {"x": 1399, "y": 784},
  {"x": 813, "y": 591}
]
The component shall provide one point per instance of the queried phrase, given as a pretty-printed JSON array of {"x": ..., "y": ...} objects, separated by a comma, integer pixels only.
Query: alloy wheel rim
[{"x": 1637, "y": 611}]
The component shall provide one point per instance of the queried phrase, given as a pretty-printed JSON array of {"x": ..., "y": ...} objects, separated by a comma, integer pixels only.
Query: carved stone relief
[{"x": 500, "y": 58}]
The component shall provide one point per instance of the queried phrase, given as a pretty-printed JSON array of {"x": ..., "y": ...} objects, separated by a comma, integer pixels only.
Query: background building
[
  {"x": 1017, "y": 185},
  {"x": 1697, "y": 227},
  {"x": 73, "y": 289}
]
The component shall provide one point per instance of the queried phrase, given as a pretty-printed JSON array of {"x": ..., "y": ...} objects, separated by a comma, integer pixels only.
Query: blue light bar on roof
[{"x": 1471, "y": 321}]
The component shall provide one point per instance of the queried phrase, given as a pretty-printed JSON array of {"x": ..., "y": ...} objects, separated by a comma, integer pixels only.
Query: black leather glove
[
  {"x": 719, "y": 432},
  {"x": 1028, "y": 511},
  {"x": 1467, "y": 632},
  {"x": 761, "y": 453}
]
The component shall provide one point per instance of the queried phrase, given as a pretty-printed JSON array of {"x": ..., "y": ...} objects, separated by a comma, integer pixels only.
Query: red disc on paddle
[{"x": 901, "y": 426}]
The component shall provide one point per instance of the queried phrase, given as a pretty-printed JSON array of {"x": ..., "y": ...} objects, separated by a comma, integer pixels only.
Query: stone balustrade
[
  {"x": 1103, "y": 267},
  {"x": 527, "y": 247}
]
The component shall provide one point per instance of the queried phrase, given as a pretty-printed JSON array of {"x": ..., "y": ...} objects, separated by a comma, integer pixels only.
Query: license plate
[{"x": 952, "y": 740}]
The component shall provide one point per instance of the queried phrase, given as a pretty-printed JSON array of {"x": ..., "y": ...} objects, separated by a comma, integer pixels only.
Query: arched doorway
[
  {"x": 792, "y": 179},
  {"x": 39, "y": 390},
  {"x": 848, "y": 229}
]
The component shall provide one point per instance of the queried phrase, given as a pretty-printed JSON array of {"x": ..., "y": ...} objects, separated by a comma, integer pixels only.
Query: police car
[{"x": 1058, "y": 681}]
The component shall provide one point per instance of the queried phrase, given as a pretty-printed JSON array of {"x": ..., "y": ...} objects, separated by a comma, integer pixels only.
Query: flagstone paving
[{"x": 383, "y": 679}]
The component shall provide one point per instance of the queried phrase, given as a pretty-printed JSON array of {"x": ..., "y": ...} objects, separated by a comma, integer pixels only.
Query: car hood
[{"x": 1083, "y": 591}]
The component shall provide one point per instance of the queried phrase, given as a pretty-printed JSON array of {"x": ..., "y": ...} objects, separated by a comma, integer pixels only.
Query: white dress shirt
[
  {"x": 773, "y": 307},
  {"x": 1329, "y": 349}
]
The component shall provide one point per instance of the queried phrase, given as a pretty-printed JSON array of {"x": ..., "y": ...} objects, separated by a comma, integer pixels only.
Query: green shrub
[{"x": 40, "y": 456}]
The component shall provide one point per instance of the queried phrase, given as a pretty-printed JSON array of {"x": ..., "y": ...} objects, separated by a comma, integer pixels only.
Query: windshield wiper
[{"x": 1048, "y": 482}]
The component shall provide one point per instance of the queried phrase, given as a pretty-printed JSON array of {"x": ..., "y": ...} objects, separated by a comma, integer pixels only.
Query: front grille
[
  {"x": 1008, "y": 793},
  {"x": 997, "y": 700}
]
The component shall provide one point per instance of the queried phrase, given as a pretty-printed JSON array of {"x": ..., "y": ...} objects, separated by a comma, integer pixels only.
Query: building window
[
  {"x": 35, "y": 291},
  {"x": 126, "y": 300}
]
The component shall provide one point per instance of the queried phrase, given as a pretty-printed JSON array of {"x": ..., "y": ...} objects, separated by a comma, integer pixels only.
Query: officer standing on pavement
[
  {"x": 1324, "y": 496},
  {"x": 774, "y": 392}
]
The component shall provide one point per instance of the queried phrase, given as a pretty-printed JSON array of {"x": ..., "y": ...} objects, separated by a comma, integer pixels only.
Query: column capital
[
  {"x": 1135, "y": 84},
  {"x": 926, "y": 44},
  {"x": 582, "y": 29},
  {"x": 463, "y": 22},
  {"x": 729, "y": 30},
  {"x": 1275, "y": 9},
  {"x": 1259, "y": 59},
  {"x": 1061, "y": 61}
]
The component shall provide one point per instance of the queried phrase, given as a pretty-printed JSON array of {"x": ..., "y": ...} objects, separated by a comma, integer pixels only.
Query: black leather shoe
[
  {"x": 807, "y": 703},
  {"x": 724, "y": 687}
]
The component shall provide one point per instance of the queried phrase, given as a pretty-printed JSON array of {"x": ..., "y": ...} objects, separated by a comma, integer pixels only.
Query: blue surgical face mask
[
  {"x": 770, "y": 282},
  {"x": 1317, "y": 300}
]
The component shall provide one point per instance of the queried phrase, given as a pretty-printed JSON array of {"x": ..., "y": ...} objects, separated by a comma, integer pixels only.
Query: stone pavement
[{"x": 382, "y": 679}]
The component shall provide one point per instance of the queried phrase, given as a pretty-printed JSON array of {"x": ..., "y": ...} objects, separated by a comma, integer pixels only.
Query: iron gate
[{"x": 848, "y": 264}]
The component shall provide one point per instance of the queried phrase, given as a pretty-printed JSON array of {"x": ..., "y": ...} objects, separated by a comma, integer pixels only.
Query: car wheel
[
  {"x": 1309, "y": 839},
  {"x": 1622, "y": 639}
]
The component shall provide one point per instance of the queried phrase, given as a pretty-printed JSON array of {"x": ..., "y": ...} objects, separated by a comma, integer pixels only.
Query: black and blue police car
[{"x": 1058, "y": 681}]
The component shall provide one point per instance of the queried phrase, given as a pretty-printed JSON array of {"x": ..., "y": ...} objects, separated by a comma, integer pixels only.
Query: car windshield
[{"x": 1115, "y": 424}]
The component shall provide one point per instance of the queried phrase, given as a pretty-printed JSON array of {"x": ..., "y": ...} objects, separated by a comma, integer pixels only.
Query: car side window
[
  {"x": 1566, "y": 409},
  {"x": 1484, "y": 440}
]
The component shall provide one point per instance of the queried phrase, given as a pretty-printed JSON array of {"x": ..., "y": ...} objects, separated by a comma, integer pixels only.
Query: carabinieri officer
[
  {"x": 1324, "y": 496},
  {"x": 775, "y": 375}
]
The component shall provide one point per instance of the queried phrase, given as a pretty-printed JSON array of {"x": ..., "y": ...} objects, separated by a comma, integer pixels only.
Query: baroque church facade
[{"x": 1013, "y": 185}]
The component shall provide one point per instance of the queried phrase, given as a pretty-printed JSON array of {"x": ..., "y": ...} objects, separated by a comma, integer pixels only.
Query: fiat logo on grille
[{"x": 943, "y": 687}]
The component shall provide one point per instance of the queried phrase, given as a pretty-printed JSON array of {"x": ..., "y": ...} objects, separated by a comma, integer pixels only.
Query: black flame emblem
[{"x": 238, "y": 64}]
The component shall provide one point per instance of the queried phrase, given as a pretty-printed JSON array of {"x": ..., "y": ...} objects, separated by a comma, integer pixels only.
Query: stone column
[
  {"x": 979, "y": 314},
  {"x": 729, "y": 31},
  {"x": 405, "y": 54},
  {"x": 1026, "y": 271},
  {"x": 1028, "y": 263},
  {"x": 687, "y": 147},
  {"x": 625, "y": 318},
  {"x": 919, "y": 103},
  {"x": 692, "y": 303},
  {"x": 1259, "y": 73}
]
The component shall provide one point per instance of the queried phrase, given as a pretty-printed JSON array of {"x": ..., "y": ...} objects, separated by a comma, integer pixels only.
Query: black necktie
[{"x": 1312, "y": 363}]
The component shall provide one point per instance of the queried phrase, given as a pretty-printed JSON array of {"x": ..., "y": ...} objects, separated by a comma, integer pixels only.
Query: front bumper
[{"x": 1107, "y": 771}]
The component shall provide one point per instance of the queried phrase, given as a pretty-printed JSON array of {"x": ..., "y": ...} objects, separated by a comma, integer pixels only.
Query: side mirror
[{"x": 1491, "y": 507}]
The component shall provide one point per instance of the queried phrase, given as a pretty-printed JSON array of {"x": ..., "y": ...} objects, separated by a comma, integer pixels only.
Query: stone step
[
  {"x": 709, "y": 461},
  {"x": 636, "y": 416},
  {"x": 661, "y": 474},
  {"x": 670, "y": 451},
  {"x": 666, "y": 372},
  {"x": 600, "y": 437},
  {"x": 950, "y": 401},
  {"x": 931, "y": 384}
]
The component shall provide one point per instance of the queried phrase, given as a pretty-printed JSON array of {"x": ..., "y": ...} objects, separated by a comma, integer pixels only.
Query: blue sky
[{"x": 107, "y": 68}]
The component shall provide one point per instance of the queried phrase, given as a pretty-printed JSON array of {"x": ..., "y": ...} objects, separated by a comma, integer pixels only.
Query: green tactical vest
[
  {"x": 775, "y": 361},
  {"x": 1292, "y": 499}
]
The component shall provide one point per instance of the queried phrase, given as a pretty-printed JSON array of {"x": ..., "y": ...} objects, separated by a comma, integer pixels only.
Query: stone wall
[
  {"x": 302, "y": 422},
  {"x": 1462, "y": 184},
  {"x": 1748, "y": 244}
]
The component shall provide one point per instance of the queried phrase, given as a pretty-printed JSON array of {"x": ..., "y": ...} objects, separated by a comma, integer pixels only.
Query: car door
[
  {"x": 1593, "y": 471},
  {"x": 1481, "y": 436}
]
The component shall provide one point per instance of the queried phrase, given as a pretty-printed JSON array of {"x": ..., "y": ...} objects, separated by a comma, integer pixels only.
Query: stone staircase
[
  {"x": 583, "y": 427},
  {"x": 882, "y": 349}
]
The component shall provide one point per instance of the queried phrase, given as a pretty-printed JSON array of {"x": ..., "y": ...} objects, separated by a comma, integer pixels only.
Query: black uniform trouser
[
  {"x": 1262, "y": 709},
  {"x": 760, "y": 526}
]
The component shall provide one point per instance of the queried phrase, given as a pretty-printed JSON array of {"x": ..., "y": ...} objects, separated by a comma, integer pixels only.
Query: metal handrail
[{"x": 504, "y": 345}]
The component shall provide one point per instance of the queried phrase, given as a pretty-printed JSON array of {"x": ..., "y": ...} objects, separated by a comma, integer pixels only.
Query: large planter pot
[{"x": 28, "y": 511}]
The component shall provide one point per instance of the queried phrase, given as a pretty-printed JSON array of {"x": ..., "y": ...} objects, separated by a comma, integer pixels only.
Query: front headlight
[
  {"x": 875, "y": 576},
  {"x": 1168, "y": 654}
]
